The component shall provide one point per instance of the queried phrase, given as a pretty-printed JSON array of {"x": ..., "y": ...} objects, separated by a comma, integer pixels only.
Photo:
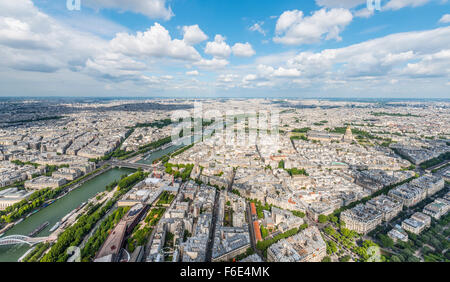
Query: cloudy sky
[{"x": 218, "y": 48}]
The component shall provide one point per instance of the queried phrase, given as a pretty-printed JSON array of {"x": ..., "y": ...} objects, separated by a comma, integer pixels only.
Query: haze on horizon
[{"x": 202, "y": 48}]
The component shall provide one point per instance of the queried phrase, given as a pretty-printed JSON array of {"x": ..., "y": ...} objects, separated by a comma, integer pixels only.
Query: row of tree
[{"x": 95, "y": 242}]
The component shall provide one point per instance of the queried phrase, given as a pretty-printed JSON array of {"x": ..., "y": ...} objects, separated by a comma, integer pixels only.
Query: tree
[
  {"x": 326, "y": 259},
  {"x": 323, "y": 218},
  {"x": 395, "y": 258},
  {"x": 386, "y": 241},
  {"x": 331, "y": 247},
  {"x": 329, "y": 230},
  {"x": 346, "y": 232},
  {"x": 298, "y": 213},
  {"x": 264, "y": 232},
  {"x": 333, "y": 219}
]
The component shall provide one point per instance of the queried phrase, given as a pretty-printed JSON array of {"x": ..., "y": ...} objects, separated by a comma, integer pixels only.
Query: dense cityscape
[
  {"x": 330, "y": 180},
  {"x": 218, "y": 139}
]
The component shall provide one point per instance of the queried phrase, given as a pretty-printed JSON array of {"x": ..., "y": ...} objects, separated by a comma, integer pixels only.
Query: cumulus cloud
[
  {"x": 193, "y": 73},
  {"x": 32, "y": 41},
  {"x": 269, "y": 71},
  {"x": 250, "y": 77},
  {"x": 212, "y": 64},
  {"x": 227, "y": 77},
  {"x": 20, "y": 34},
  {"x": 155, "y": 42},
  {"x": 155, "y": 9},
  {"x": 51, "y": 51},
  {"x": 383, "y": 56},
  {"x": 218, "y": 48},
  {"x": 364, "y": 13},
  {"x": 243, "y": 50},
  {"x": 193, "y": 34},
  {"x": 382, "y": 62},
  {"x": 282, "y": 72},
  {"x": 115, "y": 66},
  {"x": 431, "y": 65},
  {"x": 398, "y": 4},
  {"x": 293, "y": 28},
  {"x": 445, "y": 19}
]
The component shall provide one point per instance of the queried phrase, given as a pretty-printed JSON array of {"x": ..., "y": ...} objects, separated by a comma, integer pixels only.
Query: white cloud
[
  {"x": 258, "y": 27},
  {"x": 115, "y": 66},
  {"x": 193, "y": 34},
  {"x": 155, "y": 9},
  {"x": 282, "y": 72},
  {"x": 382, "y": 57},
  {"x": 268, "y": 71},
  {"x": 20, "y": 34},
  {"x": 35, "y": 42},
  {"x": 287, "y": 19},
  {"x": 364, "y": 13},
  {"x": 403, "y": 59},
  {"x": 38, "y": 50},
  {"x": 445, "y": 19},
  {"x": 218, "y": 48},
  {"x": 250, "y": 77},
  {"x": 293, "y": 28},
  {"x": 398, "y": 4},
  {"x": 393, "y": 81},
  {"x": 32, "y": 41},
  {"x": 431, "y": 65},
  {"x": 155, "y": 42},
  {"x": 243, "y": 50},
  {"x": 227, "y": 77},
  {"x": 193, "y": 73},
  {"x": 212, "y": 64}
]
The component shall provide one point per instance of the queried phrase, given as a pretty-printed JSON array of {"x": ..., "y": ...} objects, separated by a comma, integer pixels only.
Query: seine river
[{"x": 56, "y": 211}]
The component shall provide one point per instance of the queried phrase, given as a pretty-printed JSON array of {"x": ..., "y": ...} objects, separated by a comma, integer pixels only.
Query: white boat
[
  {"x": 19, "y": 221},
  {"x": 66, "y": 217},
  {"x": 55, "y": 226},
  {"x": 82, "y": 205}
]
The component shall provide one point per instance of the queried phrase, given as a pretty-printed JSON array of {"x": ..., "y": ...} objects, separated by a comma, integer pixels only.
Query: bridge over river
[
  {"x": 121, "y": 164},
  {"x": 21, "y": 239}
]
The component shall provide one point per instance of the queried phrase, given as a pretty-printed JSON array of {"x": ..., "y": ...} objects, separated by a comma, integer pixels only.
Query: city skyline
[
  {"x": 224, "y": 180},
  {"x": 210, "y": 49}
]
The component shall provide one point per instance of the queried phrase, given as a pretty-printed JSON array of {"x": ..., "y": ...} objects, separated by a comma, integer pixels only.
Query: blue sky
[{"x": 233, "y": 48}]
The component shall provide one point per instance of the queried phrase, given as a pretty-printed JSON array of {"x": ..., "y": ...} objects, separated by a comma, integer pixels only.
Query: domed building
[{"x": 348, "y": 136}]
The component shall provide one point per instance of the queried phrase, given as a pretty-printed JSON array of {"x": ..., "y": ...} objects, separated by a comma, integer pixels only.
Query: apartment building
[{"x": 361, "y": 218}]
